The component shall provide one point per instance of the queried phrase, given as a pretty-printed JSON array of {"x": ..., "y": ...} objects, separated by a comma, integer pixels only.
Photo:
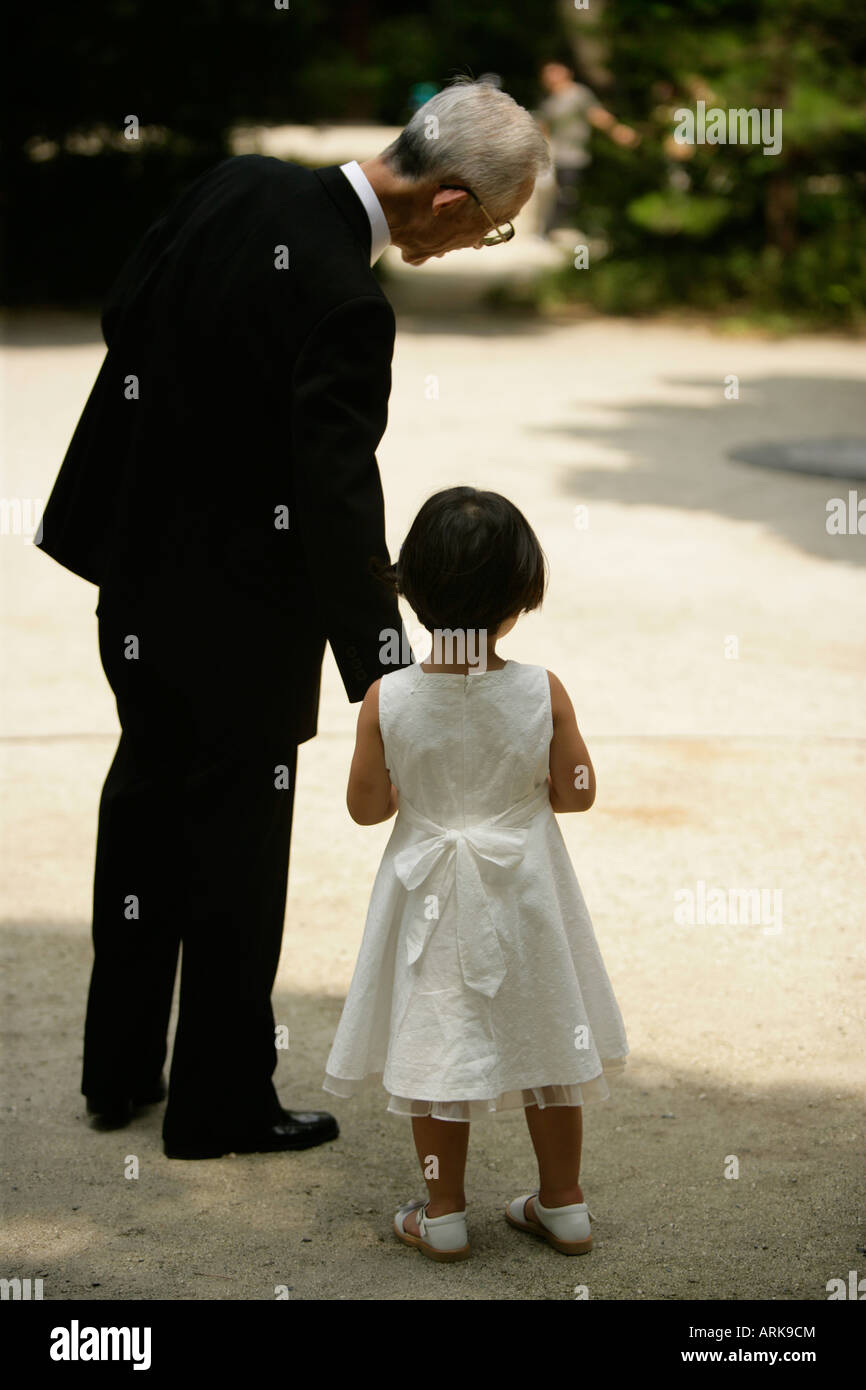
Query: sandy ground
[{"x": 741, "y": 773}]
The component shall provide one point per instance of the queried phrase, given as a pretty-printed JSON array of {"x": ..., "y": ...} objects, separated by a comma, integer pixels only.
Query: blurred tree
[
  {"x": 705, "y": 225},
  {"x": 712, "y": 223}
]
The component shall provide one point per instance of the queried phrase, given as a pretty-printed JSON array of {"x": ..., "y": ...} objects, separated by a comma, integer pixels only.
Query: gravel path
[{"x": 736, "y": 771}]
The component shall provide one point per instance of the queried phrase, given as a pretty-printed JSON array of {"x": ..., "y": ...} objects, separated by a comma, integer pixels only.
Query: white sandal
[
  {"x": 565, "y": 1228},
  {"x": 441, "y": 1238}
]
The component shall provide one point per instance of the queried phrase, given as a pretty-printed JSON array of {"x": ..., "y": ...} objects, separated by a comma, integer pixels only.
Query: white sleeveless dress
[{"x": 479, "y": 984}]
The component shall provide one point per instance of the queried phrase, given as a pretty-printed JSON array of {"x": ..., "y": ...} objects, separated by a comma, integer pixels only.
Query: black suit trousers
[{"x": 192, "y": 856}]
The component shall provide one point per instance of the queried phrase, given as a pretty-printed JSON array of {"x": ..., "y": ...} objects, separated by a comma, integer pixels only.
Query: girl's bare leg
[
  {"x": 557, "y": 1135},
  {"x": 447, "y": 1141}
]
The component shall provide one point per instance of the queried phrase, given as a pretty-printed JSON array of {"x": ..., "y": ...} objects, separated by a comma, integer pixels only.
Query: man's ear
[{"x": 446, "y": 197}]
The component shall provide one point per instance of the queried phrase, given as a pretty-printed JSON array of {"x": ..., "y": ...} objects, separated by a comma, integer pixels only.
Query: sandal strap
[{"x": 535, "y": 1194}]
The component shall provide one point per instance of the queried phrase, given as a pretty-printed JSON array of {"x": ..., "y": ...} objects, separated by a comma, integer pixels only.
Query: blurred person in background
[{"x": 565, "y": 116}]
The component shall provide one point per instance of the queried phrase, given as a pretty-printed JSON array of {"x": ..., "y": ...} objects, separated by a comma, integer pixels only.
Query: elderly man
[{"x": 221, "y": 490}]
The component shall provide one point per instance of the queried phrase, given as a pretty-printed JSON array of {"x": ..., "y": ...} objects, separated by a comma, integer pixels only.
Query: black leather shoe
[
  {"x": 298, "y": 1129},
  {"x": 115, "y": 1112}
]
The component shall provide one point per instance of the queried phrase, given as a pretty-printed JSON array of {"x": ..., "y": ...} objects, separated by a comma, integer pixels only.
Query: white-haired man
[
  {"x": 496, "y": 146},
  {"x": 221, "y": 490}
]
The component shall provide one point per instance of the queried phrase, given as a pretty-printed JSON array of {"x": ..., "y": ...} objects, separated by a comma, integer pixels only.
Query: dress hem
[{"x": 567, "y": 1094}]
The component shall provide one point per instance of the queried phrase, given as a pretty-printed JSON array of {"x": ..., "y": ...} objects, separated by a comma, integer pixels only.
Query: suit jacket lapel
[{"x": 343, "y": 195}]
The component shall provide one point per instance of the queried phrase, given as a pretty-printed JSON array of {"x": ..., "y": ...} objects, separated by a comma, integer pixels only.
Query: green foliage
[
  {"x": 672, "y": 212},
  {"x": 725, "y": 228},
  {"x": 821, "y": 283}
]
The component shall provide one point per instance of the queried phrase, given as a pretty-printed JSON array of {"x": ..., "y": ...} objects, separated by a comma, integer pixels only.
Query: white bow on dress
[{"x": 500, "y": 840}]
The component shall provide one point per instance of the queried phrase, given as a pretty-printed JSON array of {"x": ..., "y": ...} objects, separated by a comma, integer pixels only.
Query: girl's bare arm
[
  {"x": 572, "y": 776},
  {"x": 370, "y": 795}
]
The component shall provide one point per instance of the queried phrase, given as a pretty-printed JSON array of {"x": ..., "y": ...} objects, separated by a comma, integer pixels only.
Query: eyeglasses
[{"x": 499, "y": 233}]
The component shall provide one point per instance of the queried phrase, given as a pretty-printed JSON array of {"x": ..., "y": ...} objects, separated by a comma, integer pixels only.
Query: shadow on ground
[
  {"x": 674, "y": 451},
  {"x": 668, "y": 1223}
]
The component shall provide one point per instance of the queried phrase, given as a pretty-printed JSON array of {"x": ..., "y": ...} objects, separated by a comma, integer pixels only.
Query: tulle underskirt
[{"x": 543, "y": 1096}]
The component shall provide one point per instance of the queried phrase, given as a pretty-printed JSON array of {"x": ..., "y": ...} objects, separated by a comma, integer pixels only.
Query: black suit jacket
[{"x": 246, "y": 380}]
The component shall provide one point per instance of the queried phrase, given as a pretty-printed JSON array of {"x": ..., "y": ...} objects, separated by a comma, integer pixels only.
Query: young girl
[{"x": 479, "y": 984}]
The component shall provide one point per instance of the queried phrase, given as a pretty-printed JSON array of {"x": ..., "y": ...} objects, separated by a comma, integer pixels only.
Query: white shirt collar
[{"x": 380, "y": 233}]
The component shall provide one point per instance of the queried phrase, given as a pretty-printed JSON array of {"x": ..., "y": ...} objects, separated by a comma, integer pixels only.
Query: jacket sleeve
[{"x": 341, "y": 384}]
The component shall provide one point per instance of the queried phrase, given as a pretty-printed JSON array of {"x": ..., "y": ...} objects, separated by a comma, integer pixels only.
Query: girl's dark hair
[{"x": 470, "y": 560}]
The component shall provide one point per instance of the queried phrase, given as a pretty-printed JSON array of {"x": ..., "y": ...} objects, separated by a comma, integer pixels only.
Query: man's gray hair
[{"x": 471, "y": 133}]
